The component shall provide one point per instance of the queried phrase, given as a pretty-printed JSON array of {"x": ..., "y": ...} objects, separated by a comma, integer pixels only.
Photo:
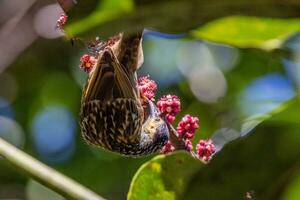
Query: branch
[
  {"x": 44, "y": 174},
  {"x": 178, "y": 142}
]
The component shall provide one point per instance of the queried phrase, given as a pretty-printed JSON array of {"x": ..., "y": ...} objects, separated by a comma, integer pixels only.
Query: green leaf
[
  {"x": 262, "y": 164},
  {"x": 242, "y": 166},
  {"x": 163, "y": 177},
  {"x": 172, "y": 16},
  {"x": 106, "y": 11},
  {"x": 243, "y": 31}
]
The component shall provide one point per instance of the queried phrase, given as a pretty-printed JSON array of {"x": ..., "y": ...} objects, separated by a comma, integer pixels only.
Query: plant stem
[
  {"x": 44, "y": 174},
  {"x": 178, "y": 142}
]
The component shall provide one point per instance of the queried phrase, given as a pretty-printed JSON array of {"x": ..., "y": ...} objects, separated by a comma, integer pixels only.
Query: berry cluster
[
  {"x": 147, "y": 87},
  {"x": 205, "y": 149},
  {"x": 169, "y": 106},
  {"x": 87, "y": 62},
  {"x": 62, "y": 20},
  {"x": 187, "y": 127},
  {"x": 168, "y": 148}
]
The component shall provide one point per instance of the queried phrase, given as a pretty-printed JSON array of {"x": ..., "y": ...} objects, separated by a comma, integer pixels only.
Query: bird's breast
[{"x": 113, "y": 125}]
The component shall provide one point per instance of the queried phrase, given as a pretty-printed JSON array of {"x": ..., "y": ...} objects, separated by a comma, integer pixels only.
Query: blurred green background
[{"x": 240, "y": 75}]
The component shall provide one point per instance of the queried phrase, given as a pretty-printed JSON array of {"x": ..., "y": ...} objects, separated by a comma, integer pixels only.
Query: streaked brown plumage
[{"x": 112, "y": 116}]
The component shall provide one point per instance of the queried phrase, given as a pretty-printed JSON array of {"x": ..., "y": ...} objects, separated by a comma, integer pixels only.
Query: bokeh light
[
  {"x": 36, "y": 191},
  {"x": 9, "y": 7},
  {"x": 261, "y": 97},
  {"x": 5, "y": 109},
  {"x": 291, "y": 62},
  {"x": 191, "y": 56},
  {"x": 292, "y": 67},
  {"x": 202, "y": 69},
  {"x": 12, "y": 132},
  {"x": 265, "y": 94},
  {"x": 208, "y": 84},
  {"x": 225, "y": 57},
  {"x": 160, "y": 59},
  {"x": 157, "y": 34},
  {"x": 224, "y": 136},
  {"x": 16, "y": 32},
  {"x": 59, "y": 88},
  {"x": 53, "y": 133},
  {"x": 293, "y": 43},
  {"x": 45, "y": 21}
]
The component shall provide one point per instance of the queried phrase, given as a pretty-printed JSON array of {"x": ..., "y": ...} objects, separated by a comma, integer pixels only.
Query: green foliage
[
  {"x": 239, "y": 167},
  {"x": 243, "y": 31},
  {"x": 105, "y": 11},
  {"x": 105, "y": 18},
  {"x": 235, "y": 167},
  {"x": 163, "y": 177}
]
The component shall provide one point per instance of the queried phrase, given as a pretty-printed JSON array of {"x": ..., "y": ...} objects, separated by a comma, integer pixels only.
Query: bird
[{"x": 112, "y": 115}]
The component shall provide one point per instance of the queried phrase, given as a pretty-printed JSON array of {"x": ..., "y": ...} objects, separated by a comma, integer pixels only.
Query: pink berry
[
  {"x": 188, "y": 145},
  {"x": 87, "y": 62},
  {"x": 170, "y": 106},
  {"x": 187, "y": 126},
  {"x": 147, "y": 87},
  {"x": 170, "y": 118},
  {"x": 62, "y": 20},
  {"x": 168, "y": 148},
  {"x": 205, "y": 149}
]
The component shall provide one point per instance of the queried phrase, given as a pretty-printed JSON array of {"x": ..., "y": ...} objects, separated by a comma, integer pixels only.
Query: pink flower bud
[
  {"x": 205, "y": 149},
  {"x": 170, "y": 118},
  {"x": 170, "y": 106},
  {"x": 61, "y": 21},
  {"x": 147, "y": 87},
  {"x": 188, "y": 145},
  {"x": 168, "y": 148},
  {"x": 87, "y": 62},
  {"x": 187, "y": 126}
]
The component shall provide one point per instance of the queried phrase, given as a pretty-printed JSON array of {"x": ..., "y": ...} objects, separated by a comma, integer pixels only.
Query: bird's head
[{"x": 155, "y": 129}]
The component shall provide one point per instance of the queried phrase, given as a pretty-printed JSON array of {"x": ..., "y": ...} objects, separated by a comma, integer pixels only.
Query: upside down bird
[{"x": 112, "y": 115}]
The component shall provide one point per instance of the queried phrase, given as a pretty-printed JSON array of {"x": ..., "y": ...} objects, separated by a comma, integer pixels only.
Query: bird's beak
[{"x": 153, "y": 111}]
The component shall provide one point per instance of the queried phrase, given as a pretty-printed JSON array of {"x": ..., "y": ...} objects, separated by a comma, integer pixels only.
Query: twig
[
  {"x": 44, "y": 174},
  {"x": 178, "y": 142}
]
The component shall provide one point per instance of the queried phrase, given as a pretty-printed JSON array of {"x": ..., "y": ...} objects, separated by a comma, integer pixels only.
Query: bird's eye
[{"x": 157, "y": 119}]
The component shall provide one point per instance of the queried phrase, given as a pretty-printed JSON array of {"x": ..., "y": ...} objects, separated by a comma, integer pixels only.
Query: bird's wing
[{"x": 109, "y": 80}]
